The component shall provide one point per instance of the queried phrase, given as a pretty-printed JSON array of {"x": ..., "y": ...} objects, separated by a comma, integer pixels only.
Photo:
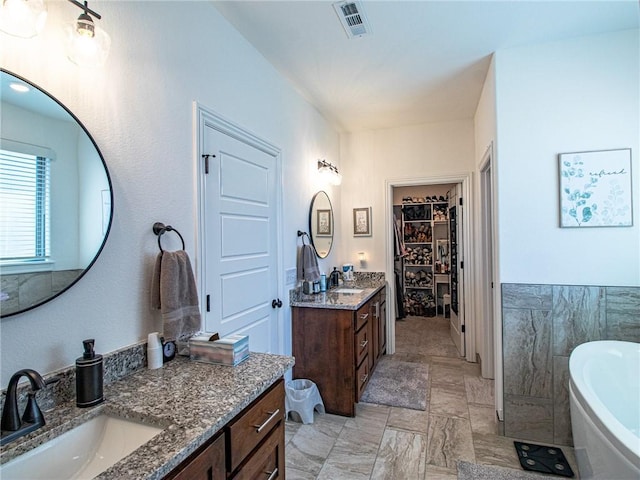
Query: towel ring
[{"x": 159, "y": 228}]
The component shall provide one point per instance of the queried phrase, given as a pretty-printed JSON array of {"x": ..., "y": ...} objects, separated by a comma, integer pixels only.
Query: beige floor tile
[
  {"x": 495, "y": 450},
  {"x": 295, "y": 474},
  {"x": 407, "y": 419},
  {"x": 449, "y": 440},
  {"x": 401, "y": 456},
  {"x": 479, "y": 390},
  {"x": 309, "y": 447},
  {"x": 484, "y": 419},
  {"x": 448, "y": 401},
  {"x": 439, "y": 473}
]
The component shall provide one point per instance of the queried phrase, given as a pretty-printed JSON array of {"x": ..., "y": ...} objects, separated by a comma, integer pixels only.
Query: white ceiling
[{"x": 424, "y": 61}]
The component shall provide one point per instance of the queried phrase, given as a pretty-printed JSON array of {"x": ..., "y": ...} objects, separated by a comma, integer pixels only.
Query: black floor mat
[{"x": 543, "y": 459}]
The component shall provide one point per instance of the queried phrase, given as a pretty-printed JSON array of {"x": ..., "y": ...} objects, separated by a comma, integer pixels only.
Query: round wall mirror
[
  {"x": 56, "y": 197},
  {"x": 321, "y": 224}
]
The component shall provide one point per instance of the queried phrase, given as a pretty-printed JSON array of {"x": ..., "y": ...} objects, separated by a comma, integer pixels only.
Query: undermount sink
[
  {"x": 349, "y": 290},
  {"x": 83, "y": 452}
]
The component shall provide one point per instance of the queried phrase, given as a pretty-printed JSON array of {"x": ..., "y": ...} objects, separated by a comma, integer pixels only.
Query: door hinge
[
  {"x": 461, "y": 265},
  {"x": 208, "y": 303},
  {"x": 491, "y": 284},
  {"x": 462, "y": 328},
  {"x": 460, "y": 200},
  {"x": 206, "y": 162}
]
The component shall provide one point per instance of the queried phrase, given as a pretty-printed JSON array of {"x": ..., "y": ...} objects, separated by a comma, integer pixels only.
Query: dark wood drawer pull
[
  {"x": 364, "y": 378},
  {"x": 273, "y": 415},
  {"x": 273, "y": 474},
  {"x": 364, "y": 343}
]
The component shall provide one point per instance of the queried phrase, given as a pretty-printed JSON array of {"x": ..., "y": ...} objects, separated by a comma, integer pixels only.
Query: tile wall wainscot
[
  {"x": 541, "y": 325},
  {"x": 117, "y": 365}
]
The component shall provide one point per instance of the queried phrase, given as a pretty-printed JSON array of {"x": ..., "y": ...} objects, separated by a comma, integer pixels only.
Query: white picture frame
[{"x": 595, "y": 189}]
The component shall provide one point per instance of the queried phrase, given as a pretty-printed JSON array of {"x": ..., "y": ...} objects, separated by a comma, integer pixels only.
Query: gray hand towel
[
  {"x": 307, "y": 263},
  {"x": 174, "y": 293}
]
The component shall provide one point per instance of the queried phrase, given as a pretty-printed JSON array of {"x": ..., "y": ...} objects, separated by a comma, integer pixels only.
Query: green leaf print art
[{"x": 595, "y": 189}]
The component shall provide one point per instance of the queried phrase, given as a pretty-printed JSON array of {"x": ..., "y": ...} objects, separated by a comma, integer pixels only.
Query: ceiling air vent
[{"x": 353, "y": 19}]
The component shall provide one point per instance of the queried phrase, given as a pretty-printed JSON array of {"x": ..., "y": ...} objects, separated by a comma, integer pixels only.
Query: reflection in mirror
[
  {"x": 55, "y": 196},
  {"x": 321, "y": 224}
]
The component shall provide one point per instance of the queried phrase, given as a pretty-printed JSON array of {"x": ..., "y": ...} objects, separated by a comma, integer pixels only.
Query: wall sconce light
[
  {"x": 329, "y": 172},
  {"x": 87, "y": 44},
  {"x": 22, "y": 18}
]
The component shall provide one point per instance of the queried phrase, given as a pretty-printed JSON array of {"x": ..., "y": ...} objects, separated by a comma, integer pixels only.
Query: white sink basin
[
  {"x": 349, "y": 290},
  {"x": 83, "y": 452}
]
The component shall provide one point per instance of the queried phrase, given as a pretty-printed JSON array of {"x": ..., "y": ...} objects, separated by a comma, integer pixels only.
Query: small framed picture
[
  {"x": 362, "y": 222},
  {"x": 324, "y": 226},
  {"x": 595, "y": 189}
]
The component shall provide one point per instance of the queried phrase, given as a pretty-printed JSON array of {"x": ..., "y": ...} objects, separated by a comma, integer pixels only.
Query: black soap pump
[{"x": 89, "y": 377}]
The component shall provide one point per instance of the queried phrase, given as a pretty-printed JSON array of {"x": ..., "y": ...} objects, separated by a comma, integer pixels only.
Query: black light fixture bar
[
  {"x": 325, "y": 164},
  {"x": 85, "y": 8}
]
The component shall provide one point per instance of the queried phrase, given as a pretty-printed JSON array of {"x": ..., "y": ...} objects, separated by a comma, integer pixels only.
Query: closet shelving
[{"x": 424, "y": 228}]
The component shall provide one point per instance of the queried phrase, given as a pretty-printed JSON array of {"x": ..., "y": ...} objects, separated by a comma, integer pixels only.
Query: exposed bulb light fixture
[
  {"x": 87, "y": 44},
  {"x": 22, "y": 18},
  {"x": 329, "y": 172}
]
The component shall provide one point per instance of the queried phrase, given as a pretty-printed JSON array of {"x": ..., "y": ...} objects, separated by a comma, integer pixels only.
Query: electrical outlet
[{"x": 290, "y": 276}]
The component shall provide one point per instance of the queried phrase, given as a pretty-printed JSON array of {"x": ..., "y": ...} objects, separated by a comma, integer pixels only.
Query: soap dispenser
[{"x": 89, "y": 377}]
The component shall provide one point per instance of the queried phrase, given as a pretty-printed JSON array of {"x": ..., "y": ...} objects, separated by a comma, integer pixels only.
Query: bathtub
[{"x": 604, "y": 392}]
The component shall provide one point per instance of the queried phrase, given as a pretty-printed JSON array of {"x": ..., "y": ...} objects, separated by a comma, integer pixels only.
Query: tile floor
[{"x": 383, "y": 442}]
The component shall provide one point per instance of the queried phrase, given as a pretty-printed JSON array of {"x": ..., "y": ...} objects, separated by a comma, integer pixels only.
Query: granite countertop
[
  {"x": 192, "y": 401},
  {"x": 334, "y": 300}
]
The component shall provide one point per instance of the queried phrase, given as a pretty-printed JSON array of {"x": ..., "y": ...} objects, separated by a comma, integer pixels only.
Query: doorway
[
  {"x": 440, "y": 301},
  {"x": 239, "y": 214}
]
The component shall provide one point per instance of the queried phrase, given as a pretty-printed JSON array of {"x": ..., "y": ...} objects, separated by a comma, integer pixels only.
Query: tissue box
[{"x": 229, "y": 350}]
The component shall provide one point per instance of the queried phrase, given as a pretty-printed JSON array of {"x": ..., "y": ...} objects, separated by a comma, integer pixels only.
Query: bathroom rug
[
  {"x": 398, "y": 384},
  {"x": 473, "y": 471}
]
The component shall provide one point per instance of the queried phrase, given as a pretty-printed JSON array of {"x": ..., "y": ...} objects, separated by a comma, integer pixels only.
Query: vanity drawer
[
  {"x": 208, "y": 464},
  {"x": 267, "y": 463},
  {"x": 361, "y": 346},
  {"x": 362, "y": 377},
  {"x": 254, "y": 425},
  {"x": 362, "y": 316}
]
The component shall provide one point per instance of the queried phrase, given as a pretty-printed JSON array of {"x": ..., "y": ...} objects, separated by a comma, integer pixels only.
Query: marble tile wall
[
  {"x": 22, "y": 290},
  {"x": 542, "y": 324}
]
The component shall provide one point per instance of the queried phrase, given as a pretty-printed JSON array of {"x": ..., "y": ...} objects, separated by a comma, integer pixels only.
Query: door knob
[{"x": 276, "y": 303}]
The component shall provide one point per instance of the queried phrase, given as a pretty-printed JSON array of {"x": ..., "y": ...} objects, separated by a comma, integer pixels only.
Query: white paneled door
[{"x": 239, "y": 216}]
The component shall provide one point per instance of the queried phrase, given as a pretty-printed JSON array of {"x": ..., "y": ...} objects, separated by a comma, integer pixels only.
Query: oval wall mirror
[
  {"x": 56, "y": 197},
  {"x": 321, "y": 224}
]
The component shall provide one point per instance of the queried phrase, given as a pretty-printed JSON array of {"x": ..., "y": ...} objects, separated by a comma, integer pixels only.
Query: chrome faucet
[{"x": 32, "y": 418}]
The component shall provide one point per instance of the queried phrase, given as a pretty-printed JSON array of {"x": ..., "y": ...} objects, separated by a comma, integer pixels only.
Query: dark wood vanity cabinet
[
  {"x": 251, "y": 446},
  {"x": 338, "y": 349}
]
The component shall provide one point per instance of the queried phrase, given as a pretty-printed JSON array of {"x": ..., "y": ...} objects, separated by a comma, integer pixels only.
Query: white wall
[
  {"x": 371, "y": 158},
  {"x": 138, "y": 108},
  {"x": 570, "y": 96}
]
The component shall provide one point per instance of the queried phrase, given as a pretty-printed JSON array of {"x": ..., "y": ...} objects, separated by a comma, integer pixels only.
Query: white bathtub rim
[
  {"x": 624, "y": 442},
  {"x": 617, "y": 433}
]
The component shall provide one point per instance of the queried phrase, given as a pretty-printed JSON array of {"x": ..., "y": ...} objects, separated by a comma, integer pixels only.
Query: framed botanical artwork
[
  {"x": 595, "y": 189},
  {"x": 362, "y": 222},
  {"x": 324, "y": 226}
]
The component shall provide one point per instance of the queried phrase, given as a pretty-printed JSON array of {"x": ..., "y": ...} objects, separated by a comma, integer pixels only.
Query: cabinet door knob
[
  {"x": 364, "y": 315},
  {"x": 364, "y": 343}
]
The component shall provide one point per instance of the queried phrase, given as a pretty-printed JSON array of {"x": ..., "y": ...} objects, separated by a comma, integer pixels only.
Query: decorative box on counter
[{"x": 230, "y": 350}]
